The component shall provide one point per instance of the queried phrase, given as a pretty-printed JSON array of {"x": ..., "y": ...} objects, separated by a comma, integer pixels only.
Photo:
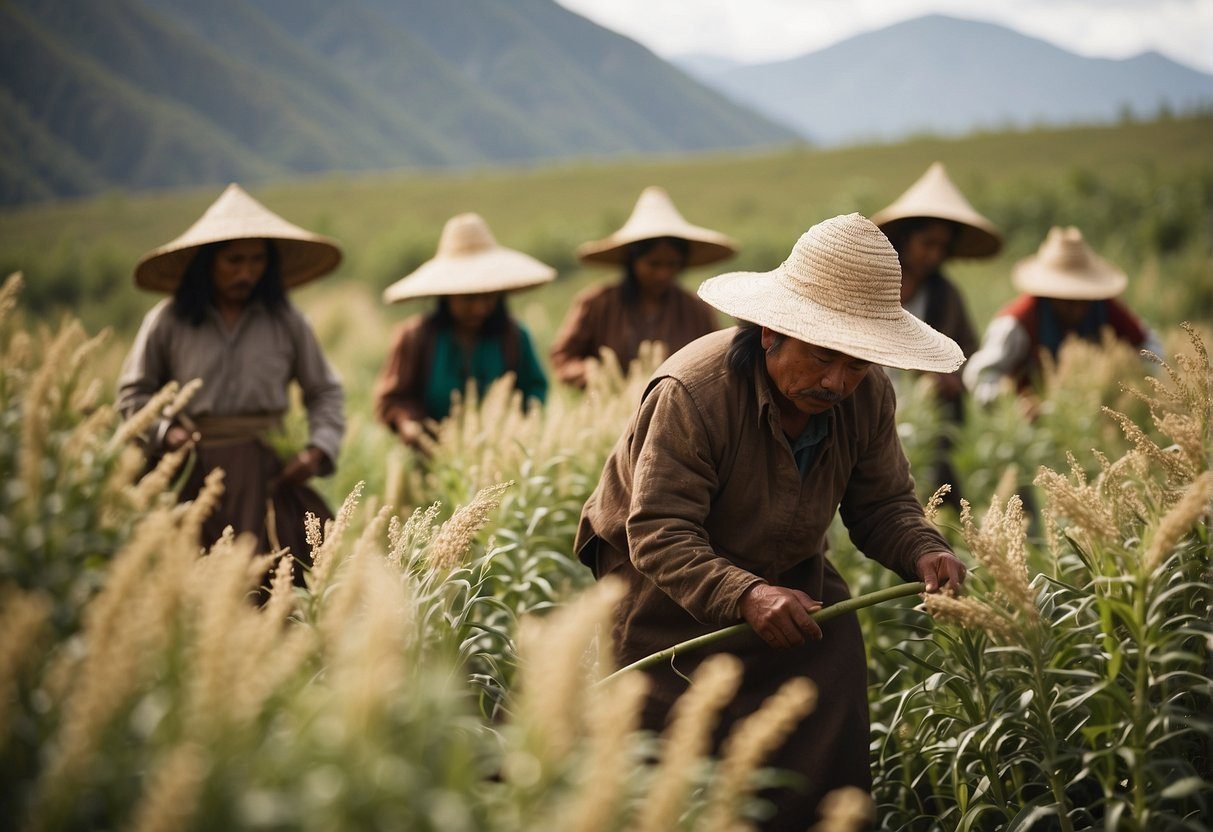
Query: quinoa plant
[
  {"x": 395, "y": 689},
  {"x": 1077, "y": 697},
  {"x": 69, "y": 471},
  {"x": 183, "y": 705}
]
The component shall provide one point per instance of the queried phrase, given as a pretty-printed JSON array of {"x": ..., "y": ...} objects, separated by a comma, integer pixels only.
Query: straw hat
[
  {"x": 935, "y": 196},
  {"x": 840, "y": 288},
  {"x": 1065, "y": 267},
  {"x": 469, "y": 261},
  {"x": 655, "y": 216},
  {"x": 235, "y": 215}
]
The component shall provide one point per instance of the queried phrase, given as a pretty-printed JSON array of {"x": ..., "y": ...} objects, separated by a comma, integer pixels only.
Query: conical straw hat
[
  {"x": 655, "y": 216},
  {"x": 935, "y": 196},
  {"x": 1065, "y": 267},
  {"x": 469, "y": 261},
  {"x": 840, "y": 288},
  {"x": 235, "y": 215}
]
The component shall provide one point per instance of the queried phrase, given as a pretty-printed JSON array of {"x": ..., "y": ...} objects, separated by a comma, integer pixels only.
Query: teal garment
[
  {"x": 804, "y": 449},
  {"x": 452, "y": 367}
]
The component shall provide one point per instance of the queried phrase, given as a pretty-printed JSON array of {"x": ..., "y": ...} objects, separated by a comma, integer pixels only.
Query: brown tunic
[
  {"x": 245, "y": 369},
  {"x": 945, "y": 311},
  {"x": 246, "y": 372},
  {"x": 701, "y": 498},
  {"x": 600, "y": 317},
  {"x": 939, "y": 304},
  {"x": 399, "y": 389}
]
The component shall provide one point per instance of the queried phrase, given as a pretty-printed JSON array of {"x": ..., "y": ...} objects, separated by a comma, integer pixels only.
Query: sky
[{"x": 757, "y": 31}]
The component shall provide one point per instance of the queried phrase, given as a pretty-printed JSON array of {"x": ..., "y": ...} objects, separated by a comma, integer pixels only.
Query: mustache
[{"x": 826, "y": 396}]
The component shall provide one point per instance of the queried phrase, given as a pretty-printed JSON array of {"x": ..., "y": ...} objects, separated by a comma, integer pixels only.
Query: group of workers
[{"x": 713, "y": 506}]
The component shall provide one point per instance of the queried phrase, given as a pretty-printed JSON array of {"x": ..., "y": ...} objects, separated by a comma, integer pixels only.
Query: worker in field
[
  {"x": 228, "y": 321},
  {"x": 713, "y": 506},
  {"x": 470, "y": 335},
  {"x": 928, "y": 225},
  {"x": 1067, "y": 291},
  {"x": 654, "y": 247}
]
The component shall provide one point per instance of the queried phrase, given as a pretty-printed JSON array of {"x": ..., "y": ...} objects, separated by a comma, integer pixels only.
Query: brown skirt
[
  {"x": 828, "y": 749},
  {"x": 250, "y": 468}
]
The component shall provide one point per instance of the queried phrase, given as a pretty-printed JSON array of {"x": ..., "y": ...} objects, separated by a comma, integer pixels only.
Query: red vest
[{"x": 1026, "y": 310}]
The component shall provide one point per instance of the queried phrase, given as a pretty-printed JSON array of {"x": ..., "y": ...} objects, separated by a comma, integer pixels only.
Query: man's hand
[
  {"x": 409, "y": 430},
  {"x": 941, "y": 570},
  {"x": 302, "y": 468},
  {"x": 1029, "y": 405},
  {"x": 176, "y": 436},
  {"x": 780, "y": 615}
]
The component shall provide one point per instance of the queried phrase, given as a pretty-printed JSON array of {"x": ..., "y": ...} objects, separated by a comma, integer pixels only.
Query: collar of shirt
[
  {"x": 252, "y": 309},
  {"x": 814, "y": 432},
  {"x": 818, "y": 428}
]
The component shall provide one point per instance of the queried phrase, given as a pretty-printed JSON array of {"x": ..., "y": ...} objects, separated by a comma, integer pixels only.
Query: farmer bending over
[
  {"x": 714, "y": 505},
  {"x": 1067, "y": 291}
]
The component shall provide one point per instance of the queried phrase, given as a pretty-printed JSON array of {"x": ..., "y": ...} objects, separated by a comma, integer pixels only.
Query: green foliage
[
  {"x": 64, "y": 505},
  {"x": 78, "y": 256},
  {"x": 179, "y": 702},
  {"x": 1093, "y": 708},
  {"x": 1080, "y": 700}
]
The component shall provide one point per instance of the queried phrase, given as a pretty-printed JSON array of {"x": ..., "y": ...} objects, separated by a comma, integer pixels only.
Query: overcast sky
[{"x": 755, "y": 31}]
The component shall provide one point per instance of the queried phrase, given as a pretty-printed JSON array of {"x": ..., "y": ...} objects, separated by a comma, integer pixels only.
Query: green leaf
[{"x": 1186, "y": 787}]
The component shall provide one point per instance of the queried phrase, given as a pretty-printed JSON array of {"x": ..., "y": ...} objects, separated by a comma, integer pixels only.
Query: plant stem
[
  {"x": 825, "y": 614},
  {"x": 1141, "y": 693},
  {"x": 1040, "y": 700}
]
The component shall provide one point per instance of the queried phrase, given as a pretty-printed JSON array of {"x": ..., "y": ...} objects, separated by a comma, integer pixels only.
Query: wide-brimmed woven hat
[
  {"x": 840, "y": 288},
  {"x": 935, "y": 196},
  {"x": 655, "y": 216},
  {"x": 235, "y": 215},
  {"x": 469, "y": 261},
  {"x": 1065, "y": 267}
]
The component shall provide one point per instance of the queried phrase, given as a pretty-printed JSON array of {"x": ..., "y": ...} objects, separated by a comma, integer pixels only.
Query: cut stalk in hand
[{"x": 822, "y": 615}]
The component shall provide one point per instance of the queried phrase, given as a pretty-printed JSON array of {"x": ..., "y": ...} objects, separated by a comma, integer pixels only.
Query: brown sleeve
[
  {"x": 965, "y": 337},
  {"x": 574, "y": 343},
  {"x": 880, "y": 508},
  {"x": 674, "y": 479},
  {"x": 399, "y": 390}
]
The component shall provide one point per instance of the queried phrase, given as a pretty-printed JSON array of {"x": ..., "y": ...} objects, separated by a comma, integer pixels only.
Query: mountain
[
  {"x": 156, "y": 93},
  {"x": 704, "y": 66},
  {"x": 944, "y": 75}
]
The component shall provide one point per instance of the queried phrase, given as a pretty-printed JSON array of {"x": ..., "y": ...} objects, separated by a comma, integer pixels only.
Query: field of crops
[{"x": 442, "y": 668}]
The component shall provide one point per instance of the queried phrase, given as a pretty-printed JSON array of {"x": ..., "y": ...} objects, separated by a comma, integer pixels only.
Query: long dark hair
[
  {"x": 494, "y": 326},
  {"x": 746, "y": 347},
  {"x": 194, "y": 293},
  {"x": 638, "y": 249}
]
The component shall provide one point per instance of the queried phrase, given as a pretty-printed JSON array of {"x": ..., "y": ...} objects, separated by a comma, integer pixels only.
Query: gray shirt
[{"x": 245, "y": 370}]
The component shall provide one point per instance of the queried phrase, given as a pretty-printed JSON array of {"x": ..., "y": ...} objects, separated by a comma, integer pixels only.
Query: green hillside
[
  {"x": 1142, "y": 193},
  {"x": 386, "y": 61},
  {"x": 121, "y": 132},
  {"x": 157, "y": 93}
]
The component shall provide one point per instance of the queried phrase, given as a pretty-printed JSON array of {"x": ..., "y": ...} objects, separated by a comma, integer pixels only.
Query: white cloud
[{"x": 766, "y": 30}]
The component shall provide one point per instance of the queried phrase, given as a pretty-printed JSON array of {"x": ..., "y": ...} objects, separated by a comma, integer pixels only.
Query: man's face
[
  {"x": 926, "y": 249},
  {"x": 471, "y": 311},
  {"x": 236, "y": 270},
  {"x": 658, "y": 268},
  {"x": 812, "y": 378},
  {"x": 1070, "y": 312}
]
